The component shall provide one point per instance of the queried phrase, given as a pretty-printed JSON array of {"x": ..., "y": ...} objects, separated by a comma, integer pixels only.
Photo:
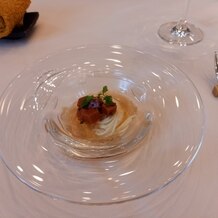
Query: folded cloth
[{"x": 11, "y": 15}]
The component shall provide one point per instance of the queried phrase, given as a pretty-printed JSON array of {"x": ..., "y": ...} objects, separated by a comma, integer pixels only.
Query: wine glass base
[{"x": 188, "y": 34}]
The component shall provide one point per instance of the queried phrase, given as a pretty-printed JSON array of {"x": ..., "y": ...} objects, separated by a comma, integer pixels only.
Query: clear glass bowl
[{"x": 84, "y": 172}]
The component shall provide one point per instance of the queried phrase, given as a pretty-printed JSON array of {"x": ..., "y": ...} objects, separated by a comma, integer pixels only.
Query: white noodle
[{"x": 114, "y": 124}]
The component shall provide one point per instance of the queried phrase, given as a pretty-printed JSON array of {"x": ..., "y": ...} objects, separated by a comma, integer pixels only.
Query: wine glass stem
[
  {"x": 180, "y": 29},
  {"x": 186, "y": 10}
]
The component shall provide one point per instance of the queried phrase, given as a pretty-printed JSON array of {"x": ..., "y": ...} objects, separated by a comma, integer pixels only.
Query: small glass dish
[{"x": 159, "y": 145}]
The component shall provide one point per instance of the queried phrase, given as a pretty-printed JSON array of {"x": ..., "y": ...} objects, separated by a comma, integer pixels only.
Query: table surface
[{"x": 67, "y": 23}]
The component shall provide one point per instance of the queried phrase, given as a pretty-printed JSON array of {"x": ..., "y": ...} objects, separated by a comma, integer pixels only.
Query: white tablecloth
[{"x": 67, "y": 23}]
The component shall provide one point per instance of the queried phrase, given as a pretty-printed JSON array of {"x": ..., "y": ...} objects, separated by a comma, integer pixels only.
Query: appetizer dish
[
  {"x": 99, "y": 117},
  {"x": 97, "y": 125}
]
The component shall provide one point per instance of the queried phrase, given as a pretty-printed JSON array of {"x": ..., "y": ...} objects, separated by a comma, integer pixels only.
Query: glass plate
[{"x": 163, "y": 142}]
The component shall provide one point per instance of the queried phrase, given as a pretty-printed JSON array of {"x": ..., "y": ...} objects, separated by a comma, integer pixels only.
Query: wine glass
[{"x": 181, "y": 32}]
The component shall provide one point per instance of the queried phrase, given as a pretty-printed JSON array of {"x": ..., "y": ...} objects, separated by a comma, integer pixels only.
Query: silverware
[
  {"x": 216, "y": 64},
  {"x": 215, "y": 88}
]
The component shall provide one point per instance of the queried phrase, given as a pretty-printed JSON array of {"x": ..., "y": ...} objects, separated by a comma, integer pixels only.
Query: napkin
[{"x": 11, "y": 15}]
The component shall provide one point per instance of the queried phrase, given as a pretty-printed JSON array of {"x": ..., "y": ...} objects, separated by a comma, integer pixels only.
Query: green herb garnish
[
  {"x": 101, "y": 94},
  {"x": 86, "y": 101},
  {"x": 104, "y": 89},
  {"x": 108, "y": 100}
]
